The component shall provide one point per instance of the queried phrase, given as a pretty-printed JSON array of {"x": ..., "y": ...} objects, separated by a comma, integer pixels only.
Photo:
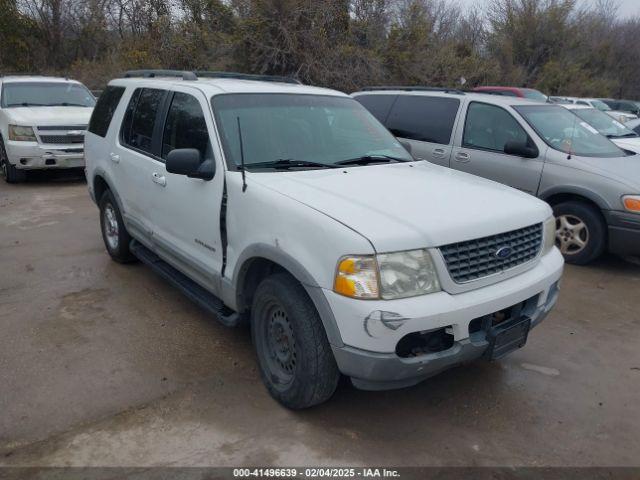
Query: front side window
[
  {"x": 139, "y": 122},
  {"x": 311, "y": 128},
  {"x": 605, "y": 124},
  {"x": 105, "y": 108},
  {"x": 566, "y": 132},
  {"x": 488, "y": 127},
  {"x": 46, "y": 94},
  {"x": 185, "y": 126},
  {"x": 428, "y": 119}
]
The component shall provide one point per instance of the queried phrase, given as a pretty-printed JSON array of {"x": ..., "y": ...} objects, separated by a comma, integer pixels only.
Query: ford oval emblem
[{"x": 503, "y": 253}]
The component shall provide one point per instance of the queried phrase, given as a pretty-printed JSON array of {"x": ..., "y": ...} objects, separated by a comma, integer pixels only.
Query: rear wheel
[
  {"x": 115, "y": 236},
  {"x": 296, "y": 362},
  {"x": 10, "y": 173},
  {"x": 580, "y": 232}
]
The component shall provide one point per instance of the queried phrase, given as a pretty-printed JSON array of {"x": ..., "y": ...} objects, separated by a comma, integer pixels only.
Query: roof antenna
[
  {"x": 242, "y": 169},
  {"x": 573, "y": 135}
]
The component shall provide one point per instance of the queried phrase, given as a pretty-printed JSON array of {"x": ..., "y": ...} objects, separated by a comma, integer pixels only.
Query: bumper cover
[
  {"x": 381, "y": 368},
  {"x": 624, "y": 233},
  {"x": 35, "y": 156}
]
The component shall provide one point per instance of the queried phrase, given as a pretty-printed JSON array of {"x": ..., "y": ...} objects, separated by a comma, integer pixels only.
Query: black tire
[
  {"x": 114, "y": 234},
  {"x": 570, "y": 216},
  {"x": 296, "y": 362},
  {"x": 10, "y": 173}
]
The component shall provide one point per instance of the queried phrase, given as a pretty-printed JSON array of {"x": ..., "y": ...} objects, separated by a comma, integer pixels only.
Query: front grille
[
  {"x": 62, "y": 127},
  {"x": 64, "y": 139},
  {"x": 475, "y": 259}
]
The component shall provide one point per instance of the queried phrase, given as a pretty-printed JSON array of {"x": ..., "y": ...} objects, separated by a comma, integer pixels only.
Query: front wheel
[
  {"x": 10, "y": 173},
  {"x": 580, "y": 232},
  {"x": 296, "y": 362}
]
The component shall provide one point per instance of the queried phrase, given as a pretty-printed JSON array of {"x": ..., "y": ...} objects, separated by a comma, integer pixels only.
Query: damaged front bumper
[
  {"x": 35, "y": 156},
  {"x": 371, "y": 356}
]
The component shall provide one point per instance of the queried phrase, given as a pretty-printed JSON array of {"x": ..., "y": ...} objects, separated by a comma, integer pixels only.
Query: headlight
[
  {"x": 632, "y": 203},
  {"x": 387, "y": 276},
  {"x": 407, "y": 274},
  {"x": 549, "y": 235},
  {"x": 21, "y": 134}
]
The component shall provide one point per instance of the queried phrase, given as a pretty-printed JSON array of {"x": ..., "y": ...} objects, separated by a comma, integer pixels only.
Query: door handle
[
  {"x": 438, "y": 153},
  {"x": 159, "y": 179},
  {"x": 463, "y": 157},
  {"x": 115, "y": 158}
]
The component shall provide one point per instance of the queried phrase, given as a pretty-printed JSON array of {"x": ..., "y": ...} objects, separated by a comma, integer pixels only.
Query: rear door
[
  {"x": 481, "y": 139},
  {"x": 185, "y": 212},
  {"x": 426, "y": 123},
  {"x": 135, "y": 158}
]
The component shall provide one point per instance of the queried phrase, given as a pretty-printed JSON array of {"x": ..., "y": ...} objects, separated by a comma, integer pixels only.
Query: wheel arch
[
  {"x": 559, "y": 194},
  {"x": 258, "y": 262},
  {"x": 100, "y": 183}
]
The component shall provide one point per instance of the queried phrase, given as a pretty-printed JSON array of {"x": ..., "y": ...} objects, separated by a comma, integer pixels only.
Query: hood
[
  {"x": 625, "y": 170},
  {"x": 409, "y": 205},
  {"x": 37, "y": 116},
  {"x": 632, "y": 144}
]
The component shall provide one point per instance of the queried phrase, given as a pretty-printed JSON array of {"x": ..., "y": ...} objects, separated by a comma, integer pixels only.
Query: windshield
[
  {"x": 600, "y": 105},
  {"x": 534, "y": 94},
  {"x": 38, "y": 94},
  {"x": 604, "y": 123},
  {"x": 310, "y": 128},
  {"x": 566, "y": 132}
]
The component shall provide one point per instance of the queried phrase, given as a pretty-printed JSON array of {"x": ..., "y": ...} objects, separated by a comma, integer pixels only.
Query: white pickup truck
[{"x": 292, "y": 207}]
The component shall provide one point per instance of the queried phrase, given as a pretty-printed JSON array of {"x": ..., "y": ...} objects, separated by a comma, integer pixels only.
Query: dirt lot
[{"x": 104, "y": 364}]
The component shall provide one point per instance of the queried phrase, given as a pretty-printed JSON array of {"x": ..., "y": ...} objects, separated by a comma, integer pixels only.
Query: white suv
[
  {"x": 292, "y": 207},
  {"x": 42, "y": 124}
]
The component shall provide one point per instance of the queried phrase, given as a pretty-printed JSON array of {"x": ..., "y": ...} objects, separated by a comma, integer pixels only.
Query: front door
[
  {"x": 487, "y": 128},
  {"x": 185, "y": 212}
]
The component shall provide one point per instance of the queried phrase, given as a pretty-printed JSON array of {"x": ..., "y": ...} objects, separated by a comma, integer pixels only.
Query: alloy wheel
[{"x": 572, "y": 234}]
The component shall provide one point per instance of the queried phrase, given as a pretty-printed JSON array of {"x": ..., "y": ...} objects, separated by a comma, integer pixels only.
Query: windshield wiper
[
  {"x": 626, "y": 135},
  {"x": 65, "y": 104},
  {"x": 368, "y": 159},
  {"x": 26, "y": 104},
  {"x": 287, "y": 163}
]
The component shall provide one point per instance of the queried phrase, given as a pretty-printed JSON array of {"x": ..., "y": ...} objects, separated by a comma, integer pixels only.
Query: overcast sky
[{"x": 628, "y": 8}]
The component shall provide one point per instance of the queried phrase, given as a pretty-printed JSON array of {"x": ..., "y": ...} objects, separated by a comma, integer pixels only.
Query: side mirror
[
  {"x": 188, "y": 161},
  {"x": 520, "y": 149}
]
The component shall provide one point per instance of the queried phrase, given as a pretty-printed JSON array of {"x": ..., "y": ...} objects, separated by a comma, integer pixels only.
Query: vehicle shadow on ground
[{"x": 44, "y": 177}]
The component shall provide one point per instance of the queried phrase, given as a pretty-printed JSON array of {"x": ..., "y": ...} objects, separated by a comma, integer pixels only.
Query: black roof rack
[
  {"x": 185, "y": 75},
  {"x": 194, "y": 75},
  {"x": 248, "y": 76},
  {"x": 416, "y": 88}
]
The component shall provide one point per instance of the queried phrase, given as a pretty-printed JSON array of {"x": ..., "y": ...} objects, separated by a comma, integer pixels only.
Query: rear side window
[
  {"x": 488, "y": 127},
  {"x": 378, "y": 105},
  {"x": 139, "y": 122},
  {"x": 185, "y": 126},
  {"x": 104, "y": 109},
  {"x": 429, "y": 119}
]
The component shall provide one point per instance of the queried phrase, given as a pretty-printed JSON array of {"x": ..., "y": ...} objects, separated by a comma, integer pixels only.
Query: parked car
[
  {"x": 560, "y": 100},
  {"x": 542, "y": 149},
  {"x": 598, "y": 104},
  {"x": 634, "y": 125},
  {"x": 628, "y": 106},
  {"x": 42, "y": 124},
  {"x": 293, "y": 207},
  {"x": 615, "y": 131},
  {"x": 530, "y": 93}
]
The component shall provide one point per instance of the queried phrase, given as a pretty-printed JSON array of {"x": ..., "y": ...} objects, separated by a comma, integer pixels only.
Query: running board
[{"x": 188, "y": 287}]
